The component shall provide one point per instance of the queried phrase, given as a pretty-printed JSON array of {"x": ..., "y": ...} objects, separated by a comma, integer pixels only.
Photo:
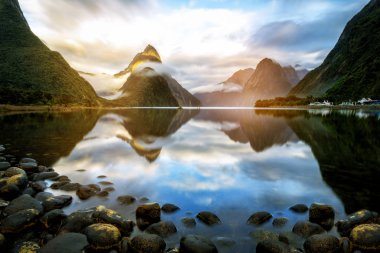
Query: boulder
[
  {"x": 366, "y": 237},
  {"x": 53, "y": 218},
  {"x": 104, "y": 215},
  {"x": 162, "y": 228},
  {"x": 323, "y": 215},
  {"x": 188, "y": 222},
  {"x": 196, "y": 244},
  {"x": 361, "y": 217},
  {"x": 208, "y": 218},
  {"x": 148, "y": 214},
  {"x": 19, "y": 221},
  {"x": 126, "y": 199},
  {"x": 272, "y": 246},
  {"x": 66, "y": 243},
  {"x": 147, "y": 243},
  {"x": 79, "y": 220},
  {"x": 103, "y": 236},
  {"x": 259, "y": 218},
  {"x": 321, "y": 243},
  {"x": 306, "y": 229},
  {"x": 169, "y": 208},
  {"x": 55, "y": 202},
  {"x": 20, "y": 180},
  {"x": 22, "y": 203}
]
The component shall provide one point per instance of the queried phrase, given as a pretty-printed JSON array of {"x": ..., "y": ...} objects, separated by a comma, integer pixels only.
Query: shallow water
[{"x": 230, "y": 162}]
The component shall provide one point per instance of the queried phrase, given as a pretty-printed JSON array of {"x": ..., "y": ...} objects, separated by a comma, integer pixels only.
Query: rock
[
  {"x": 85, "y": 192},
  {"x": 148, "y": 214},
  {"x": 29, "y": 166},
  {"x": 321, "y": 243},
  {"x": 126, "y": 199},
  {"x": 103, "y": 194},
  {"x": 109, "y": 189},
  {"x": 29, "y": 191},
  {"x": 262, "y": 235},
  {"x": 20, "y": 180},
  {"x": 188, "y": 222},
  {"x": 70, "y": 187},
  {"x": 105, "y": 183},
  {"x": 55, "y": 202},
  {"x": 4, "y": 165},
  {"x": 224, "y": 242},
  {"x": 169, "y": 208},
  {"x": 272, "y": 246},
  {"x": 366, "y": 237},
  {"x": 279, "y": 222},
  {"x": 3, "y": 203},
  {"x": 307, "y": 229},
  {"x": 323, "y": 215},
  {"x": 299, "y": 208},
  {"x": 13, "y": 171},
  {"x": 53, "y": 218},
  {"x": 59, "y": 184},
  {"x": 9, "y": 191},
  {"x": 66, "y": 243},
  {"x": 147, "y": 243},
  {"x": 102, "y": 236},
  {"x": 259, "y": 218},
  {"x": 291, "y": 239},
  {"x": 39, "y": 186},
  {"x": 104, "y": 215},
  {"x": 45, "y": 175},
  {"x": 102, "y": 176},
  {"x": 124, "y": 245},
  {"x": 196, "y": 244},
  {"x": 79, "y": 220},
  {"x": 62, "y": 178},
  {"x": 2, "y": 240},
  {"x": 345, "y": 245},
  {"x": 22, "y": 203},
  {"x": 208, "y": 218},
  {"x": 3, "y": 159},
  {"x": 27, "y": 160},
  {"x": 28, "y": 247},
  {"x": 162, "y": 228},
  {"x": 19, "y": 221},
  {"x": 353, "y": 220}
]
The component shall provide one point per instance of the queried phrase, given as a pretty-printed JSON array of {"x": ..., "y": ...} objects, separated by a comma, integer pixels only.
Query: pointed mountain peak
[
  {"x": 149, "y": 54},
  {"x": 267, "y": 62}
]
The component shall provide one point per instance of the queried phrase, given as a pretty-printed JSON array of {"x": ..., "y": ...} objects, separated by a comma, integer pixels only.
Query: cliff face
[
  {"x": 240, "y": 77},
  {"x": 352, "y": 68},
  {"x": 30, "y": 73}
]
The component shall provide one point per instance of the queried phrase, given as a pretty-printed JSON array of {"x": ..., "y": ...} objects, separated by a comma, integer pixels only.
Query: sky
[{"x": 201, "y": 42}]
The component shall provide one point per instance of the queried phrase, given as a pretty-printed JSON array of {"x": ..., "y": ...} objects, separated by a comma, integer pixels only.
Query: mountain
[
  {"x": 30, "y": 73},
  {"x": 352, "y": 69},
  {"x": 240, "y": 77},
  {"x": 270, "y": 80},
  {"x": 146, "y": 87}
]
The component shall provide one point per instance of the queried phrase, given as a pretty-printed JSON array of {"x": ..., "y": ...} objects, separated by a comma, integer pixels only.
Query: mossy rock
[
  {"x": 28, "y": 247},
  {"x": 366, "y": 237},
  {"x": 103, "y": 236},
  {"x": 19, "y": 221}
]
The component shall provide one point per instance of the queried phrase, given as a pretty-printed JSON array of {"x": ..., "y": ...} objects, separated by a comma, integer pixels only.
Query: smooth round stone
[
  {"x": 360, "y": 217},
  {"x": 28, "y": 247},
  {"x": 9, "y": 191},
  {"x": 147, "y": 243},
  {"x": 85, "y": 192},
  {"x": 104, "y": 215},
  {"x": 272, "y": 246},
  {"x": 366, "y": 237},
  {"x": 307, "y": 229},
  {"x": 29, "y": 166},
  {"x": 321, "y": 243},
  {"x": 169, "y": 208},
  {"x": 279, "y": 222},
  {"x": 322, "y": 214},
  {"x": 299, "y": 208},
  {"x": 39, "y": 186},
  {"x": 20, "y": 180},
  {"x": 79, "y": 220},
  {"x": 66, "y": 243},
  {"x": 58, "y": 185},
  {"x": 4, "y": 165},
  {"x": 103, "y": 236},
  {"x": 57, "y": 202},
  {"x": 28, "y": 160},
  {"x": 148, "y": 214},
  {"x": 188, "y": 222},
  {"x": 259, "y": 218},
  {"x": 208, "y": 218},
  {"x": 12, "y": 171},
  {"x": 45, "y": 175},
  {"x": 126, "y": 199},
  {"x": 262, "y": 235},
  {"x": 291, "y": 239},
  {"x": 162, "y": 228},
  {"x": 22, "y": 203},
  {"x": 70, "y": 187},
  {"x": 19, "y": 221},
  {"x": 196, "y": 244},
  {"x": 53, "y": 218}
]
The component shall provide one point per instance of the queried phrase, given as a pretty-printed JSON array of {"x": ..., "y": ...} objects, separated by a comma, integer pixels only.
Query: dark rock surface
[
  {"x": 208, "y": 218},
  {"x": 196, "y": 244}
]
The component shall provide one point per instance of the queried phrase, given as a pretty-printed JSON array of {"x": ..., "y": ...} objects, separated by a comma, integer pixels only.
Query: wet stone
[
  {"x": 39, "y": 186},
  {"x": 50, "y": 202},
  {"x": 321, "y": 243},
  {"x": 197, "y": 244},
  {"x": 162, "y": 228},
  {"x": 66, "y": 243},
  {"x": 299, "y": 208},
  {"x": 148, "y": 214},
  {"x": 126, "y": 199},
  {"x": 279, "y": 222},
  {"x": 272, "y": 246},
  {"x": 259, "y": 218},
  {"x": 101, "y": 176},
  {"x": 208, "y": 218},
  {"x": 60, "y": 178},
  {"x": 12, "y": 171},
  {"x": 322, "y": 214},
  {"x": 30, "y": 191},
  {"x": 20, "y": 180},
  {"x": 53, "y": 218},
  {"x": 19, "y": 221},
  {"x": 291, "y": 239},
  {"x": 147, "y": 243},
  {"x": 366, "y": 237},
  {"x": 345, "y": 245},
  {"x": 79, "y": 220},
  {"x": 4, "y": 165},
  {"x": 188, "y": 222},
  {"x": 103, "y": 236},
  {"x": 86, "y": 192},
  {"x": 29, "y": 166},
  {"x": 70, "y": 187},
  {"x": 169, "y": 208},
  {"x": 109, "y": 189},
  {"x": 22, "y": 203},
  {"x": 9, "y": 191},
  {"x": 307, "y": 229},
  {"x": 345, "y": 226},
  {"x": 262, "y": 235},
  {"x": 27, "y": 247},
  {"x": 57, "y": 185},
  {"x": 103, "y": 194},
  {"x": 105, "y": 183},
  {"x": 104, "y": 215},
  {"x": 44, "y": 176}
]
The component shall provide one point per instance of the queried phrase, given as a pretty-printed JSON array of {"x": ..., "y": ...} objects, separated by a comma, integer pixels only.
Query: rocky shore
[{"x": 32, "y": 220}]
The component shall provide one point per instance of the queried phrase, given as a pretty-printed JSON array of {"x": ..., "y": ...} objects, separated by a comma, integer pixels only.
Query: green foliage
[{"x": 284, "y": 101}]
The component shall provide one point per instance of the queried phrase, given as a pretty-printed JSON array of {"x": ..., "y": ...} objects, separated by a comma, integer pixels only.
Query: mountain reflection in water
[{"x": 230, "y": 162}]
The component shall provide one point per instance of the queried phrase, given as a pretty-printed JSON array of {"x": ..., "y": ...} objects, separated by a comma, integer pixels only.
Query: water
[{"x": 230, "y": 162}]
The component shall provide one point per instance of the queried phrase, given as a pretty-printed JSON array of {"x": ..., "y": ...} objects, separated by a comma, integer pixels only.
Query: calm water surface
[{"x": 230, "y": 162}]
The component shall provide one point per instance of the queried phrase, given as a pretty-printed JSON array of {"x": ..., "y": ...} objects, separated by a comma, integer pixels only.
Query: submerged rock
[
  {"x": 70, "y": 187},
  {"x": 169, "y": 208},
  {"x": 307, "y": 229},
  {"x": 50, "y": 202},
  {"x": 196, "y": 244},
  {"x": 85, "y": 192},
  {"x": 259, "y": 218},
  {"x": 280, "y": 222},
  {"x": 188, "y": 222},
  {"x": 66, "y": 243},
  {"x": 148, "y": 214},
  {"x": 102, "y": 236},
  {"x": 208, "y": 218},
  {"x": 9, "y": 191},
  {"x": 53, "y": 218},
  {"x": 299, "y": 208},
  {"x": 322, "y": 243},
  {"x": 272, "y": 246},
  {"x": 291, "y": 239},
  {"x": 323, "y": 215},
  {"x": 45, "y": 175},
  {"x": 79, "y": 220},
  {"x": 126, "y": 199},
  {"x": 262, "y": 235},
  {"x": 162, "y": 228},
  {"x": 366, "y": 237},
  {"x": 147, "y": 243}
]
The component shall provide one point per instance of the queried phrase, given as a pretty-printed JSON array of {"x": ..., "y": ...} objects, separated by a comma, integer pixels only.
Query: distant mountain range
[{"x": 352, "y": 69}]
